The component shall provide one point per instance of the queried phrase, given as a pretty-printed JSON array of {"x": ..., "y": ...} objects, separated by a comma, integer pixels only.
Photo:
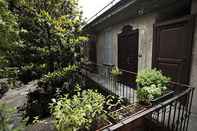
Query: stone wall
[{"x": 145, "y": 26}]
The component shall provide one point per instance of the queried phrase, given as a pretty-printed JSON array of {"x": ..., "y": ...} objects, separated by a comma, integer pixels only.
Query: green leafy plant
[
  {"x": 151, "y": 84},
  {"x": 79, "y": 112},
  {"x": 148, "y": 93},
  {"x": 51, "y": 86},
  {"x": 64, "y": 73},
  {"x": 40, "y": 33},
  {"x": 9, "y": 28},
  {"x": 7, "y": 116},
  {"x": 148, "y": 77}
]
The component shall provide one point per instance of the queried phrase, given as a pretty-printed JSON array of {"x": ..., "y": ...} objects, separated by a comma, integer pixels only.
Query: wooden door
[
  {"x": 128, "y": 52},
  {"x": 172, "y": 48}
]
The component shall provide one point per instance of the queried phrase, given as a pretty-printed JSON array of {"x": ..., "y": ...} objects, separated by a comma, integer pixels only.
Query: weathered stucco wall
[
  {"x": 193, "y": 76},
  {"x": 145, "y": 26}
]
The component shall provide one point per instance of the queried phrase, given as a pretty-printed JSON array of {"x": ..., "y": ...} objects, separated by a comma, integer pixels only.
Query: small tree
[
  {"x": 50, "y": 35},
  {"x": 8, "y": 30}
]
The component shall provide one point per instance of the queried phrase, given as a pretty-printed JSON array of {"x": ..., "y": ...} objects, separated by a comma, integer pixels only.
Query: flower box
[
  {"x": 126, "y": 112},
  {"x": 166, "y": 95}
]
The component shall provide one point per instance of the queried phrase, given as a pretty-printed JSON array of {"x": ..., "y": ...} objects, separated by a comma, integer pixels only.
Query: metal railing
[
  {"x": 171, "y": 114},
  {"x": 174, "y": 113},
  {"x": 101, "y": 74}
]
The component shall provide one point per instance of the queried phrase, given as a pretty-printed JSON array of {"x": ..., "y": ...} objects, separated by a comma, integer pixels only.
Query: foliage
[
  {"x": 148, "y": 77},
  {"x": 51, "y": 86},
  {"x": 31, "y": 72},
  {"x": 8, "y": 72},
  {"x": 60, "y": 81},
  {"x": 148, "y": 93},
  {"x": 59, "y": 75},
  {"x": 56, "y": 8},
  {"x": 9, "y": 32},
  {"x": 50, "y": 35},
  {"x": 3, "y": 62},
  {"x": 151, "y": 84},
  {"x": 113, "y": 103},
  {"x": 7, "y": 122},
  {"x": 3, "y": 88},
  {"x": 8, "y": 76},
  {"x": 8, "y": 28},
  {"x": 116, "y": 71},
  {"x": 79, "y": 112}
]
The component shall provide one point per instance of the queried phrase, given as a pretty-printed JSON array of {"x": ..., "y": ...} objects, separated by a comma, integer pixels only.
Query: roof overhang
[{"x": 126, "y": 9}]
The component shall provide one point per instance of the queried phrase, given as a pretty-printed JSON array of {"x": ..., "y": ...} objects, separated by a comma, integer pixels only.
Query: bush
[
  {"x": 54, "y": 85},
  {"x": 8, "y": 72},
  {"x": 7, "y": 119},
  {"x": 3, "y": 87},
  {"x": 31, "y": 72},
  {"x": 58, "y": 76},
  {"x": 148, "y": 77},
  {"x": 151, "y": 84},
  {"x": 59, "y": 80},
  {"x": 79, "y": 112}
]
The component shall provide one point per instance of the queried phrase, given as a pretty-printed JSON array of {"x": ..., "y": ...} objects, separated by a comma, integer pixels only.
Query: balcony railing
[
  {"x": 101, "y": 74},
  {"x": 171, "y": 114}
]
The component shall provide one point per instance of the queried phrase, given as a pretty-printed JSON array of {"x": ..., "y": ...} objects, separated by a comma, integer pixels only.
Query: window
[{"x": 108, "y": 48}]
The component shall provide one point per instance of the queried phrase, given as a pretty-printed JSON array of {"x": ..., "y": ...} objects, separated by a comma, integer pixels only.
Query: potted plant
[
  {"x": 152, "y": 85},
  {"x": 116, "y": 72}
]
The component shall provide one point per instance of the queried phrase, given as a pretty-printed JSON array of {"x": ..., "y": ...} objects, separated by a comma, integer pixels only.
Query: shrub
[
  {"x": 148, "y": 77},
  {"x": 79, "y": 112},
  {"x": 31, "y": 72},
  {"x": 54, "y": 85},
  {"x": 3, "y": 87},
  {"x": 58, "y": 79},
  {"x": 7, "y": 119},
  {"x": 57, "y": 76},
  {"x": 151, "y": 84},
  {"x": 8, "y": 72}
]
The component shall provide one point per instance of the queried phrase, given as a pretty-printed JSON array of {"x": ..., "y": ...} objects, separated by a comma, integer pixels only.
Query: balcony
[{"x": 168, "y": 113}]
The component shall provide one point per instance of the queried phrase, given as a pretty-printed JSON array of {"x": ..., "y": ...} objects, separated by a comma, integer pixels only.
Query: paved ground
[{"x": 17, "y": 97}]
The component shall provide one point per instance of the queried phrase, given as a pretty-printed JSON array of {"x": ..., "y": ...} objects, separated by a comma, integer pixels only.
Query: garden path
[{"x": 17, "y": 98}]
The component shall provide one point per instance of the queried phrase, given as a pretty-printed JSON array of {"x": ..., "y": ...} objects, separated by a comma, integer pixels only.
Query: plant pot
[
  {"x": 166, "y": 95},
  {"x": 126, "y": 112}
]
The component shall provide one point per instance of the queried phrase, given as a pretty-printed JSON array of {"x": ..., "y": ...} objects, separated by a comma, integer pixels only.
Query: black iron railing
[
  {"x": 101, "y": 74},
  {"x": 171, "y": 114}
]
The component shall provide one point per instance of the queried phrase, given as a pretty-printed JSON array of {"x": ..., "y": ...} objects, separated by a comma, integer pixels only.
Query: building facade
[{"x": 139, "y": 34}]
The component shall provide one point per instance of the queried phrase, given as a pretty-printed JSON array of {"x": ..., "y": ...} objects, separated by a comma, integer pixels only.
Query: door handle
[{"x": 139, "y": 55}]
